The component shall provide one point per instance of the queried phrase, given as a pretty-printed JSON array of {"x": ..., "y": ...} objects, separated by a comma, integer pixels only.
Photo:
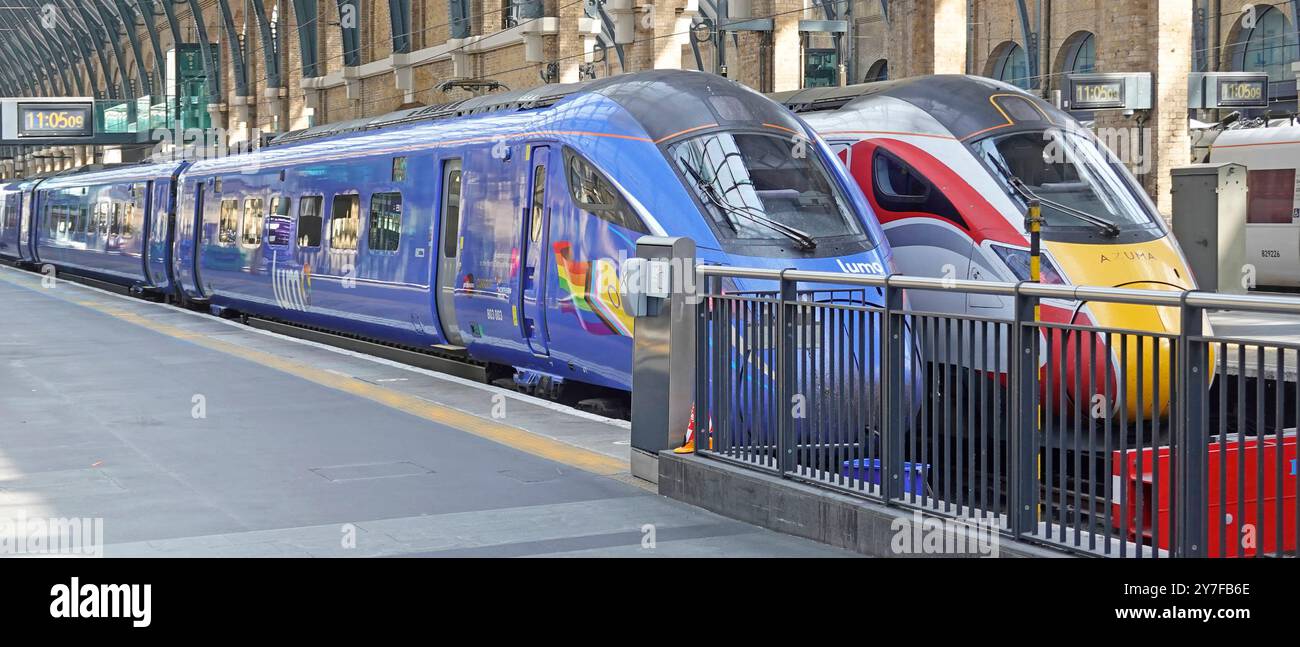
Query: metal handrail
[{"x": 1131, "y": 296}]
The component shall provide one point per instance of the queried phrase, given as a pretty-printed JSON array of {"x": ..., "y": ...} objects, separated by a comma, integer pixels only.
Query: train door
[
  {"x": 187, "y": 260},
  {"x": 448, "y": 251},
  {"x": 536, "y": 235},
  {"x": 162, "y": 210},
  {"x": 145, "y": 206}
]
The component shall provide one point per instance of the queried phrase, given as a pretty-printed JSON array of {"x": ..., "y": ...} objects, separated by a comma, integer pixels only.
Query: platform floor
[{"x": 193, "y": 436}]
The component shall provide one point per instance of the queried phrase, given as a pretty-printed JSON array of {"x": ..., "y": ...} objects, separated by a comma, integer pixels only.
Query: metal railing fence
[{"x": 1150, "y": 441}]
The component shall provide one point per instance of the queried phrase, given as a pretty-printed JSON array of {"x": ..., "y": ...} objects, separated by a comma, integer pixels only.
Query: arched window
[
  {"x": 1080, "y": 55},
  {"x": 1270, "y": 46},
  {"x": 879, "y": 71},
  {"x": 1010, "y": 63}
]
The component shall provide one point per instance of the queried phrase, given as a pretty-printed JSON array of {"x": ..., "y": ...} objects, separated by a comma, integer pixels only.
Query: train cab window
[
  {"x": 228, "y": 222},
  {"x": 595, "y": 194},
  {"x": 345, "y": 213},
  {"x": 279, "y": 226},
  {"x": 757, "y": 195},
  {"x": 385, "y": 222},
  {"x": 898, "y": 187},
  {"x": 310, "y": 222},
  {"x": 451, "y": 209},
  {"x": 252, "y": 235},
  {"x": 1067, "y": 168}
]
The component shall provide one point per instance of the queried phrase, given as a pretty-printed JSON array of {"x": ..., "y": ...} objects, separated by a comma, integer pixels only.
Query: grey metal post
[
  {"x": 1191, "y": 437},
  {"x": 785, "y": 386},
  {"x": 663, "y": 359},
  {"x": 703, "y": 357},
  {"x": 894, "y": 393},
  {"x": 1023, "y": 394}
]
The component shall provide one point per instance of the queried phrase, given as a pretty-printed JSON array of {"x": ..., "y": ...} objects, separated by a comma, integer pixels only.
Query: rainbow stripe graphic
[{"x": 593, "y": 293}]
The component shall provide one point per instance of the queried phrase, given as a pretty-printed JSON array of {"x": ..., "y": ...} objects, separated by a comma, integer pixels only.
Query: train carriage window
[
  {"x": 279, "y": 226},
  {"x": 115, "y": 220},
  {"x": 538, "y": 217},
  {"x": 345, "y": 212},
  {"x": 128, "y": 220},
  {"x": 228, "y": 222},
  {"x": 61, "y": 222},
  {"x": 1270, "y": 196},
  {"x": 399, "y": 169},
  {"x": 101, "y": 218},
  {"x": 310, "y": 222},
  {"x": 595, "y": 194},
  {"x": 451, "y": 209},
  {"x": 900, "y": 188},
  {"x": 252, "y": 236},
  {"x": 159, "y": 224},
  {"x": 385, "y": 222},
  {"x": 897, "y": 182}
]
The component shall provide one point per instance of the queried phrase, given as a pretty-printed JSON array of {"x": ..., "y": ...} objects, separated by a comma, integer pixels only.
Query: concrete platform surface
[{"x": 193, "y": 436}]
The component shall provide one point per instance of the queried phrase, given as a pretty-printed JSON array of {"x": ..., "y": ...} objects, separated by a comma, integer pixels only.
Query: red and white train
[{"x": 950, "y": 164}]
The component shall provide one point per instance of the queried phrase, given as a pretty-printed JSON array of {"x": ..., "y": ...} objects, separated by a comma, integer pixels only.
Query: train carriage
[
  {"x": 112, "y": 225},
  {"x": 1271, "y": 156},
  {"x": 16, "y": 242},
  {"x": 10, "y": 213}
]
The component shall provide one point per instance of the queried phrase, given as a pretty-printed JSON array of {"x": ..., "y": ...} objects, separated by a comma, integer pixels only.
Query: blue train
[{"x": 492, "y": 227}]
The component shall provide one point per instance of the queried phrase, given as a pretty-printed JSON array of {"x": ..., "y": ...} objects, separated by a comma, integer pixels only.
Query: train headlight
[{"x": 1017, "y": 259}]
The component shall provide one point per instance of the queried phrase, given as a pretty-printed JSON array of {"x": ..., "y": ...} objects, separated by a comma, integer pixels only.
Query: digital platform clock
[
  {"x": 1091, "y": 94},
  {"x": 55, "y": 120},
  {"x": 1243, "y": 92}
]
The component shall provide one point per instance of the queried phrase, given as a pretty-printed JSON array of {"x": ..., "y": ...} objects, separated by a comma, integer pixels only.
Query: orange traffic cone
[{"x": 689, "y": 446}]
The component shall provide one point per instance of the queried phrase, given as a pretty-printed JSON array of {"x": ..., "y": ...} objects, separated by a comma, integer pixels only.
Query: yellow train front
[{"x": 951, "y": 163}]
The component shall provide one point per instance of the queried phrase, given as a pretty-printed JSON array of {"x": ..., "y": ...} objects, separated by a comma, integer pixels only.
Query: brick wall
[{"x": 922, "y": 36}]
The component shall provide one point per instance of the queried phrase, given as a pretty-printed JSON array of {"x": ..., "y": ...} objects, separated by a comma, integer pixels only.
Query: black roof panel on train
[
  {"x": 963, "y": 104},
  {"x": 665, "y": 102}
]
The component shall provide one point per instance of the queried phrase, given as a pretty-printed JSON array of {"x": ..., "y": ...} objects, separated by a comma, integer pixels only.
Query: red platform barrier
[{"x": 1241, "y": 526}]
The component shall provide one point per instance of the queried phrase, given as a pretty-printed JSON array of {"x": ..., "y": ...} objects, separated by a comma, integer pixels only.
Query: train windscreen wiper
[
  {"x": 805, "y": 240},
  {"x": 706, "y": 189},
  {"x": 1108, "y": 228}
]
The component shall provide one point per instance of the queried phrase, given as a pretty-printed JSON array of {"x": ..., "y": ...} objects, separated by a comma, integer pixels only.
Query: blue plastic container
[{"x": 871, "y": 474}]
